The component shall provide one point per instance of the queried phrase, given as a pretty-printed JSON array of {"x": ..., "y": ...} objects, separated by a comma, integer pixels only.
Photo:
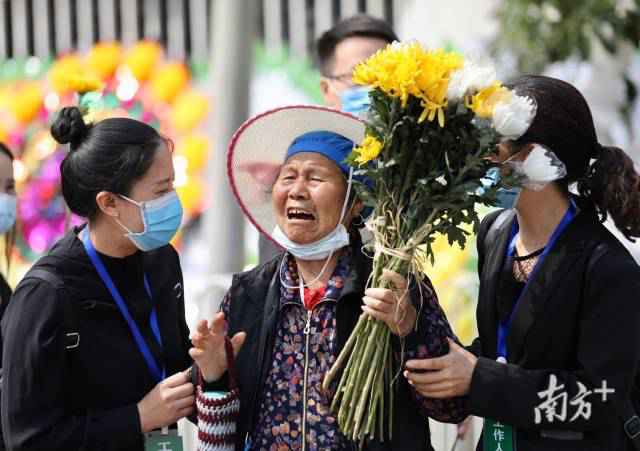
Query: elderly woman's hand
[
  {"x": 443, "y": 377},
  {"x": 391, "y": 306},
  {"x": 209, "y": 350}
]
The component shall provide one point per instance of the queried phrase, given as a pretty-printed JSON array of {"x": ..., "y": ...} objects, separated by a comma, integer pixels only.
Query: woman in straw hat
[{"x": 289, "y": 318}]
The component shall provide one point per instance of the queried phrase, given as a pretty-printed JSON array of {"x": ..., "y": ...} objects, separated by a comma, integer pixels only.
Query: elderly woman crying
[{"x": 289, "y": 318}]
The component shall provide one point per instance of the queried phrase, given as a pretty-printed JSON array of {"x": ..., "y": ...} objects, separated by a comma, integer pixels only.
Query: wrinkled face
[
  {"x": 307, "y": 197},
  {"x": 347, "y": 55},
  {"x": 156, "y": 182}
]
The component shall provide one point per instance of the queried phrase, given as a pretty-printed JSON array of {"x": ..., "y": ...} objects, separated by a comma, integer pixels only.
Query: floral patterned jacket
[{"x": 288, "y": 408}]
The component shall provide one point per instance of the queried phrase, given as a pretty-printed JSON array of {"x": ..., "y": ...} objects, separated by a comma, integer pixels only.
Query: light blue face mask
[
  {"x": 7, "y": 212},
  {"x": 161, "y": 218},
  {"x": 355, "y": 100},
  {"x": 506, "y": 197}
]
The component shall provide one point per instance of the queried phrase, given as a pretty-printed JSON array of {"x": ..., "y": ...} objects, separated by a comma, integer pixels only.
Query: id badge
[
  {"x": 497, "y": 436},
  {"x": 163, "y": 441}
]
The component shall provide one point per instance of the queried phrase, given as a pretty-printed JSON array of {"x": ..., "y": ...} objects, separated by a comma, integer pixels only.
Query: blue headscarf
[{"x": 332, "y": 145}]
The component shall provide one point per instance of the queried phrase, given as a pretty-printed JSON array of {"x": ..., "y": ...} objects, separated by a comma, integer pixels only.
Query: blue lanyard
[
  {"x": 158, "y": 374},
  {"x": 505, "y": 326}
]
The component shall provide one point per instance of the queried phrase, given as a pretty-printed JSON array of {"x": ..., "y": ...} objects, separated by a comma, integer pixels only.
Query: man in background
[{"x": 338, "y": 51}]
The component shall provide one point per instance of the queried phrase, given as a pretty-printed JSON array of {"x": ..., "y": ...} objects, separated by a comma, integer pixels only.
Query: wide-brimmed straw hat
[{"x": 259, "y": 148}]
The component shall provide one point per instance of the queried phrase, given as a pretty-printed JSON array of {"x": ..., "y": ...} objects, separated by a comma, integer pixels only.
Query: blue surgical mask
[
  {"x": 355, "y": 100},
  {"x": 161, "y": 218},
  {"x": 7, "y": 212},
  {"x": 505, "y": 197}
]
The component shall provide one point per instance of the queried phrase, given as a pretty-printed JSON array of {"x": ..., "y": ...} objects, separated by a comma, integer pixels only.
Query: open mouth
[{"x": 299, "y": 214}]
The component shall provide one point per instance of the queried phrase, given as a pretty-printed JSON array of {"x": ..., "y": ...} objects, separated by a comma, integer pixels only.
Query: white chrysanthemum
[
  {"x": 511, "y": 119},
  {"x": 470, "y": 79},
  {"x": 543, "y": 166}
]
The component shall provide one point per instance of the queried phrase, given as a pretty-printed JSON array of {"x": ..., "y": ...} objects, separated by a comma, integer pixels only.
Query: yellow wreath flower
[
  {"x": 406, "y": 70},
  {"x": 484, "y": 102},
  {"x": 368, "y": 150}
]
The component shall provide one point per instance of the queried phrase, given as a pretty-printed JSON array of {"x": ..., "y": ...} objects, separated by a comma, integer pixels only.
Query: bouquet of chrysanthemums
[{"x": 432, "y": 126}]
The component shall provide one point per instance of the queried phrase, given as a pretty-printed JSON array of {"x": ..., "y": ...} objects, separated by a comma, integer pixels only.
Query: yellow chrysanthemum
[
  {"x": 169, "y": 81},
  {"x": 82, "y": 83},
  {"x": 405, "y": 70},
  {"x": 60, "y": 70},
  {"x": 104, "y": 58},
  {"x": 26, "y": 101},
  {"x": 368, "y": 150},
  {"x": 142, "y": 58},
  {"x": 485, "y": 101}
]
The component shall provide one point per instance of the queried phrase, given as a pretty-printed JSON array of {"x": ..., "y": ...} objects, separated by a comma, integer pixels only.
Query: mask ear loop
[
  {"x": 303, "y": 285},
  {"x": 141, "y": 209}
]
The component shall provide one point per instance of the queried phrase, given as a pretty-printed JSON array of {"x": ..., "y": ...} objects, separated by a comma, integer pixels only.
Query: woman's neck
[
  {"x": 539, "y": 213},
  {"x": 108, "y": 238},
  {"x": 310, "y": 270}
]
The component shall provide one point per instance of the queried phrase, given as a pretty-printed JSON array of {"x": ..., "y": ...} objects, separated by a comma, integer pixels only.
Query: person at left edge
[
  {"x": 8, "y": 228},
  {"x": 74, "y": 376}
]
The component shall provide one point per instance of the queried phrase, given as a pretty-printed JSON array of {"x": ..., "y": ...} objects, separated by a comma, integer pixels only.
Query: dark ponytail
[
  {"x": 606, "y": 176},
  {"x": 613, "y": 185},
  {"x": 110, "y": 155}
]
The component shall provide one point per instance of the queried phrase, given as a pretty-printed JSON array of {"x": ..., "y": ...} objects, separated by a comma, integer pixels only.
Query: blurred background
[{"x": 196, "y": 69}]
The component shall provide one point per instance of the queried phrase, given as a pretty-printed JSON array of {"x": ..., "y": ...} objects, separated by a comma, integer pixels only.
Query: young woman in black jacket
[
  {"x": 7, "y": 227},
  {"x": 95, "y": 340},
  {"x": 555, "y": 366}
]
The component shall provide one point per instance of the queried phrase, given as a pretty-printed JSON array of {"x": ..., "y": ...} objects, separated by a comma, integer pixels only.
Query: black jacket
[
  {"x": 579, "y": 319},
  {"x": 5, "y": 296},
  {"x": 255, "y": 297},
  {"x": 85, "y": 398}
]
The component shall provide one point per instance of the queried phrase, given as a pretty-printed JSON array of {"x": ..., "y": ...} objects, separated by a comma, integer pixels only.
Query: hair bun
[{"x": 69, "y": 127}]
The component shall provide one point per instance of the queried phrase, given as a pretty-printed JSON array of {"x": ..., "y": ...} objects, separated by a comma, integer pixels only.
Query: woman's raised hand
[
  {"x": 208, "y": 347},
  {"x": 391, "y": 306}
]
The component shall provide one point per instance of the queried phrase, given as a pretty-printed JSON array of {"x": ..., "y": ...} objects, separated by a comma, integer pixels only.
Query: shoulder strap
[
  {"x": 70, "y": 319},
  {"x": 492, "y": 233}
]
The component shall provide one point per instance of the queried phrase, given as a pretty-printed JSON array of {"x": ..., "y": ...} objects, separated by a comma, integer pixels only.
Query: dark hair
[
  {"x": 605, "y": 175},
  {"x": 5, "y": 150},
  {"x": 10, "y": 236},
  {"x": 110, "y": 155},
  {"x": 359, "y": 25}
]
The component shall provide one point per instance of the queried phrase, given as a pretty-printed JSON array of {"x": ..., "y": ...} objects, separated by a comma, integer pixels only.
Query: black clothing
[
  {"x": 5, "y": 296},
  {"x": 254, "y": 309},
  {"x": 267, "y": 249},
  {"x": 510, "y": 289},
  {"x": 85, "y": 398},
  {"x": 578, "y": 320}
]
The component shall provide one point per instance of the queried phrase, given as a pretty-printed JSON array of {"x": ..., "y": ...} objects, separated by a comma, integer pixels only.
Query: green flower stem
[
  {"x": 366, "y": 363},
  {"x": 375, "y": 339},
  {"x": 346, "y": 351}
]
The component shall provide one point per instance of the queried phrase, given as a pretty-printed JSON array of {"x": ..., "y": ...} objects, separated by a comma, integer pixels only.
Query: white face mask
[
  {"x": 8, "y": 205},
  {"x": 540, "y": 168},
  {"x": 325, "y": 246}
]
